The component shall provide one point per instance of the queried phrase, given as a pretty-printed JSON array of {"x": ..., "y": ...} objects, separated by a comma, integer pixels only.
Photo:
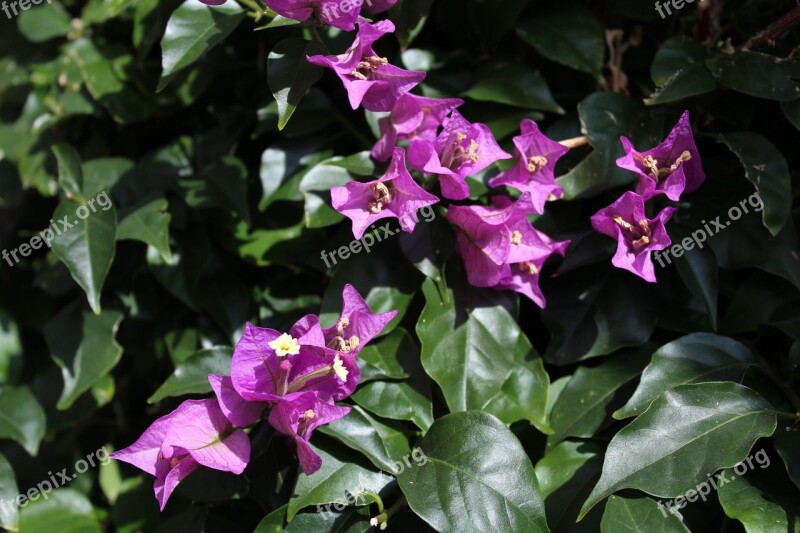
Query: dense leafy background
[{"x": 218, "y": 145}]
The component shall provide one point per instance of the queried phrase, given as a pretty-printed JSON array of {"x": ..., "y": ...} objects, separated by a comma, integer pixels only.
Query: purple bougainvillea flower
[
  {"x": 379, "y": 6},
  {"x": 672, "y": 168},
  {"x": 196, "y": 433},
  {"x": 369, "y": 79},
  {"x": 637, "y": 236},
  {"x": 270, "y": 366},
  {"x": 357, "y": 325},
  {"x": 298, "y": 417},
  {"x": 462, "y": 149},
  {"x": 328, "y": 11},
  {"x": 500, "y": 248},
  {"x": 413, "y": 117},
  {"x": 235, "y": 408},
  {"x": 395, "y": 195},
  {"x": 535, "y": 169}
]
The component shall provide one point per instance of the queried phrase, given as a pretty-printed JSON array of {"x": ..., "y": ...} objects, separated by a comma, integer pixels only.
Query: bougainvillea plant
[{"x": 419, "y": 265}]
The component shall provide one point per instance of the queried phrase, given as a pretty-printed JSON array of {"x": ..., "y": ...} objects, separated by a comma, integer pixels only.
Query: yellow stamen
[
  {"x": 516, "y": 237},
  {"x": 383, "y": 197},
  {"x": 285, "y": 345},
  {"x": 536, "y": 163},
  {"x": 309, "y": 415},
  {"x": 339, "y": 369},
  {"x": 529, "y": 267}
]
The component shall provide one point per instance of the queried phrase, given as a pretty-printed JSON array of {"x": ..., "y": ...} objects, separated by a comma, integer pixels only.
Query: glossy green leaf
[
  {"x": 43, "y": 23},
  {"x": 23, "y": 419},
  {"x": 566, "y": 474},
  {"x": 766, "y": 168},
  {"x": 514, "y": 85},
  {"x": 485, "y": 363},
  {"x": 191, "y": 375},
  {"x": 492, "y": 23},
  {"x": 383, "y": 445},
  {"x": 192, "y": 31},
  {"x": 386, "y": 357},
  {"x": 756, "y": 508},
  {"x": 149, "y": 224},
  {"x": 567, "y": 33},
  {"x": 331, "y": 484},
  {"x": 679, "y": 71},
  {"x": 695, "y": 358},
  {"x": 290, "y": 75},
  {"x": 87, "y": 248},
  {"x": 638, "y": 514},
  {"x": 775, "y": 78},
  {"x": 66, "y": 509},
  {"x": 9, "y": 515},
  {"x": 70, "y": 173},
  {"x": 699, "y": 429},
  {"x": 476, "y": 473},
  {"x": 85, "y": 348},
  {"x": 583, "y": 406}
]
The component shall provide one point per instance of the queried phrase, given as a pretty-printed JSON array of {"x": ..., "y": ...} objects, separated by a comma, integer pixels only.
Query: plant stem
[
  {"x": 575, "y": 142},
  {"x": 774, "y": 30}
]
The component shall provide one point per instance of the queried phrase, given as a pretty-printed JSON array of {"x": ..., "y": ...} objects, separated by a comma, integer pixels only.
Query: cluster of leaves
[{"x": 219, "y": 143}]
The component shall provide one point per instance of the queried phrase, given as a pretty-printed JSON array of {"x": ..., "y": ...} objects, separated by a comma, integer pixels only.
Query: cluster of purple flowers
[
  {"x": 499, "y": 246},
  {"x": 670, "y": 169},
  {"x": 297, "y": 375}
]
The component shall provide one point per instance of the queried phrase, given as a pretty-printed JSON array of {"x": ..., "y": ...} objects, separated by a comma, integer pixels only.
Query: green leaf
[
  {"x": 605, "y": 116},
  {"x": 567, "y": 33},
  {"x": 476, "y": 473},
  {"x": 104, "y": 173},
  {"x": 290, "y": 75},
  {"x": 767, "y": 169},
  {"x": 192, "y": 31},
  {"x": 70, "y": 173},
  {"x": 492, "y": 23},
  {"x": 699, "y": 429},
  {"x": 699, "y": 270},
  {"x": 9, "y": 514},
  {"x": 222, "y": 185},
  {"x": 405, "y": 400},
  {"x": 149, "y": 224},
  {"x": 85, "y": 348},
  {"x": 107, "y": 85},
  {"x": 109, "y": 477},
  {"x": 591, "y": 314},
  {"x": 514, "y": 85},
  {"x": 679, "y": 71},
  {"x": 315, "y": 186},
  {"x": 756, "y": 74},
  {"x": 695, "y": 358},
  {"x": 566, "y": 474},
  {"x": 380, "y": 443},
  {"x": 21, "y": 418},
  {"x": 756, "y": 508},
  {"x": 329, "y": 518},
  {"x": 45, "y": 22},
  {"x": 638, "y": 514},
  {"x": 787, "y": 443},
  {"x": 791, "y": 111},
  {"x": 583, "y": 406},
  {"x": 409, "y": 16},
  {"x": 387, "y": 357},
  {"x": 87, "y": 248},
  {"x": 337, "y": 477},
  {"x": 485, "y": 363},
  {"x": 66, "y": 510},
  {"x": 191, "y": 376}
]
